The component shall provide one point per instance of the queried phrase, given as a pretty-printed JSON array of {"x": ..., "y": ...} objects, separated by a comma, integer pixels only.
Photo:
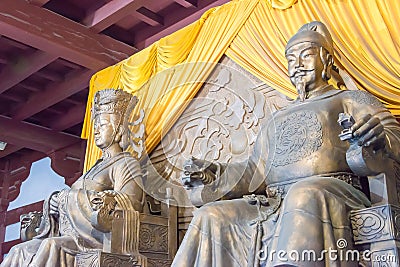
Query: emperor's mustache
[{"x": 301, "y": 72}]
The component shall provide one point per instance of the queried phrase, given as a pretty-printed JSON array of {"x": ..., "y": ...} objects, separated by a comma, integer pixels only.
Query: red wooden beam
[
  {"x": 56, "y": 35},
  {"x": 66, "y": 162},
  {"x": 67, "y": 166},
  {"x": 50, "y": 75},
  {"x": 69, "y": 64},
  {"x": 72, "y": 117},
  {"x": 76, "y": 81},
  {"x": 14, "y": 74},
  {"x": 17, "y": 176},
  {"x": 14, "y": 97},
  {"x": 187, "y": 3},
  {"x": 10, "y": 148},
  {"x": 13, "y": 215},
  {"x": 112, "y": 12},
  {"x": 149, "y": 17},
  {"x": 16, "y": 161},
  {"x": 176, "y": 21},
  {"x": 30, "y": 86},
  {"x": 4, "y": 59},
  {"x": 38, "y": 2},
  {"x": 15, "y": 43},
  {"x": 36, "y": 137}
]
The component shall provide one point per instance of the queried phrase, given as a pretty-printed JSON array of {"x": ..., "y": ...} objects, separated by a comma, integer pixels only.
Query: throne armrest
[
  {"x": 377, "y": 228},
  {"x": 385, "y": 187},
  {"x": 30, "y": 224}
]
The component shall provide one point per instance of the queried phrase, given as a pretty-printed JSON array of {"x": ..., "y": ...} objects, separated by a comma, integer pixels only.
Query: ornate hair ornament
[
  {"x": 113, "y": 101},
  {"x": 314, "y": 32}
]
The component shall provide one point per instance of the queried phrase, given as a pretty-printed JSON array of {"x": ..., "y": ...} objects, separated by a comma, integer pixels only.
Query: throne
[
  {"x": 376, "y": 230},
  {"x": 131, "y": 239}
]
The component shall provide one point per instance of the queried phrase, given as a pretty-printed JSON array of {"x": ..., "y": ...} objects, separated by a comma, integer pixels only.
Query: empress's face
[
  {"x": 304, "y": 63},
  {"x": 103, "y": 130}
]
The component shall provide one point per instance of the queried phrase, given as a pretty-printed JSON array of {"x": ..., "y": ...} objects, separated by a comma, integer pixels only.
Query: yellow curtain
[
  {"x": 168, "y": 73},
  {"x": 253, "y": 33},
  {"x": 367, "y": 45}
]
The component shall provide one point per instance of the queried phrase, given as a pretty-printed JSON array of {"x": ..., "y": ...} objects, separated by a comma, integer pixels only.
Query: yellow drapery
[
  {"x": 166, "y": 95},
  {"x": 366, "y": 44},
  {"x": 253, "y": 33}
]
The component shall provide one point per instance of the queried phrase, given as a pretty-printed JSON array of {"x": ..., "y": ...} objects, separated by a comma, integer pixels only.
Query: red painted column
[{"x": 4, "y": 202}]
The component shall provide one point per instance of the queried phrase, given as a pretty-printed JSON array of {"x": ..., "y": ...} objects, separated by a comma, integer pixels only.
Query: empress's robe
[
  {"x": 60, "y": 239},
  {"x": 311, "y": 191}
]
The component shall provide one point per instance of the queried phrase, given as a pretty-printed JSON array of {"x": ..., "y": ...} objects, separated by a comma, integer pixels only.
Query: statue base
[{"x": 104, "y": 259}]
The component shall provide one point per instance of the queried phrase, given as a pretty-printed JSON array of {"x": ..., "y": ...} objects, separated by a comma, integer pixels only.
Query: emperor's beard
[{"x": 301, "y": 88}]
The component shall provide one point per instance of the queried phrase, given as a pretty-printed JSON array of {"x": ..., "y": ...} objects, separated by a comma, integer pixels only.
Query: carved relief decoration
[
  {"x": 102, "y": 259},
  {"x": 87, "y": 259},
  {"x": 364, "y": 98},
  {"x": 153, "y": 238},
  {"x": 299, "y": 135},
  {"x": 112, "y": 260},
  {"x": 136, "y": 134},
  {"x": 158, "y": 263},
  {"x": 375, "y": 224},
  {"x": 220, "y": 124}
]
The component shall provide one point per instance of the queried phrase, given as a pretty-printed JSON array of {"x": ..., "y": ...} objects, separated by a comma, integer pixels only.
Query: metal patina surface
[
  {"x": 299, "y": 201},
  {"x": 100, "y": 213}
]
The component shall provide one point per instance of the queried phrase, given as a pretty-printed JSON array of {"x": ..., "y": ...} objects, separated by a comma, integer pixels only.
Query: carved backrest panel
[{"x": 220, "y": 124}]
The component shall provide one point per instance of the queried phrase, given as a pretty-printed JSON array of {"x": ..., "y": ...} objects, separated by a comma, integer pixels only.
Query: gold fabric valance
[{"x": 253, "y": 33}]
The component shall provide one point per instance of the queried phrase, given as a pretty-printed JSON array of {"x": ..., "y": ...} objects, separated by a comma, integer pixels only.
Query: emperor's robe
[{"x": 311, "y": 190}]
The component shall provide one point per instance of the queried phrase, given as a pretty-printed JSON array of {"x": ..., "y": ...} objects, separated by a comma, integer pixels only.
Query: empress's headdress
[
  {"x": 118, "y": 102},
  {"x": 113, "y": 101},
  {"x": 315, "y": 32}
]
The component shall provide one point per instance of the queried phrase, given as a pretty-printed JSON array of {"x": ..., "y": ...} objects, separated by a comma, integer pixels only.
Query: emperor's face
[
  {"x": 104, "y": 132},
  {"x": 305, "y": 65}
]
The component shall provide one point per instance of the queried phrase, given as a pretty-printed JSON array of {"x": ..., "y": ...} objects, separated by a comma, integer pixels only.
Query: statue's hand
[
  {"x": 197, "y": 172},
  {"x": 370, "y": 132},
  {"x": 29, "y": 225},
  {"x": 103, "y": 205},
  {"x": 109, "y": 193},
  {"x": 53, "y": 205}
]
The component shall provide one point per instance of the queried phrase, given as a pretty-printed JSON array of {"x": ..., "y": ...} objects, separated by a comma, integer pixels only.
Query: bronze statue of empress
[{"x": 75, "y": 220}]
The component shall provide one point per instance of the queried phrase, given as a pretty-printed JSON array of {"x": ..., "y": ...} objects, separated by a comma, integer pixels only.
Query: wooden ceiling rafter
[
  {"x": 10, "y": 148},
  {"x": 49, "y": 75},
  {"x": 187, "y": 3},
  {"x": 61, "y": 51},
  {"x": 15, "y": 98},
  {"x": 111, "y": 13},
  {"x": 11, "y": 75},
  {"x": 174, "y": 22},
  {"x": 72, "y": 117},
  {"x": 30, "y": 87},
  {"x": 38, "y": 2},
  {"x": 149, "y": 17},
  {"x": 35, "y": 137},
  {"x": 15, "y": 43},
  {"x": 55, "y": 92},
  {"x": 60, "y": 36}
]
